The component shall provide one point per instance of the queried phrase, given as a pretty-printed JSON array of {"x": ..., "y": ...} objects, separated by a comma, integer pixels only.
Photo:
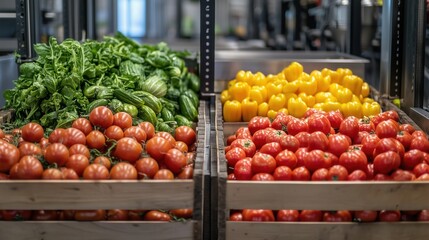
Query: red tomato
[
  {"x": 423, "y": 177},
  {"x": 236, "y": 217},
  {"x": 117, "y": 215},
  {"x": 16, "y": 215},
  {"x": 175, "y": 160},
  {"x": 318, "y": 140},
  {"x": 337, "y": 144},
  {"x": 83, "y": 125},
  {"x": 406, "y": 127},
  {"x": 66, "y": 215},
  {"x": 243, "y": 169},
  {"x": 146, "y": 167},
  {"x": 44, "y": 215},
  {"x": 369, "y": 171},
  {"x": 114, "y": 132},
  {"x": 148, "y": 128},
  {"x": 27, "y": 148},
  {"x": 287, "y": 216},
  {"x": 185, "y": 134},
  {"x": 286, "y": 158},
  {"x": 123, "y": 171},
  {"x": 32, "y": 132},
  {"x": 259, "y": 138},
  {"x": 263, "y": 163},
  {"x": 405, "y": 138},
  {"x": 231, "y": 176},
  {"x": 135, "y": 132},
  {"x": 155, "y": 215},
  {"x": 303, "y": 139},
  {"x": 43, "y": 143},
  {"x": 243, "y": 133},
  {"x": 123, "y": 120},
  {"x": 74, "y": 136},
  {"x": 350, "y": 127},
  {"x": 335, "y": 118},
  {"x": 95, "y": 140},
  {"x": 186, "y": 173},
  {"x": 289, "y": 142},
  {"x": 296, "y": 126},
  {"x": 2, "y": 135},
  {"x": 57, "y": 153},
  {"x": 333, "y": 159},
  {"x": 164, "y": 174},
  {"x": 13, "y": 173},
  {"x": 412, "y": 158},
  {"x": 275, "y": 136},
  {"x": 90, "y": 215},
  {"x": 368, "y": 145},
  {"x": 257, "y": 123},
  {"x": 167, "y": 136},
  {"x": 317, "y": 159},
  {"x": 263, "y": 177},
  {"x": 182, "y": 213},
  {"x": 234, "y": 155},
  {"x": 386, "y": 129},
  {"x": 310, "y": 216},
  {"x": 136, "y": 215},
  {"x": 390, "y": 114},
  {"x": 365, "y": 125},
  {"x": 423, "y": 215},
  {"x": 386, "y": 162},
  {"x": 337, "y": 216},
  {"x": 420, "y": 143},
  {"x": 69, "y": 173},
  {"x": 357, "y": 175},
  {"x": 389, "y": 216},
  {"x": 421, "y": 169},
  {"x": 321, "y": 174},
  {"x": 79, "y": 149},
  {"x": 258, "y": 215},
  {"x": 78, "y": 162},
  {"x": 96, "y": 171},
  {"x": 128, "y": 149},
  {"x": 52, "y": 174},
  {"x": 359, "y": 137},
  {"x": 101, "y": 116},
  {"x": 337, "y": 173},
  {"x": 313, "y": 111},
  {"x": 384, "y": 145},
  {"x": 382, "y": 177},
  {"x": 272, "y": 148},
  {"x": 365, "y": 216},
  {"x": 246, "y": 144},
  {"x": 419, "y": 133},
  {"x": 283, "y": 173},
  {"x": 353, "y": 160},
  {"x": 300, "y": 174},
  {"x": 9, "y": 155},
  {"x": 105, "y": 161},
  {"x": 403, "y": 175},
  {"x": 281, "y": 121},
  {"x": 318, "y": 123},
  {"x": 29, "y": 167},
  {"x": 4, "y": 177},
  {"x": 301, "y": 154},
  {"x": 399, "y": 148},
  {"x": 230, "y": 139}
]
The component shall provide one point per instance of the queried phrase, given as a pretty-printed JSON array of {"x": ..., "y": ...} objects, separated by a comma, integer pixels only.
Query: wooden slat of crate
[
  {"x": 85, "y": 194},
  {"x": 103, "y": 230},
  {"x": 324, "y": 231},
  {"x": 327, "y": 195}
]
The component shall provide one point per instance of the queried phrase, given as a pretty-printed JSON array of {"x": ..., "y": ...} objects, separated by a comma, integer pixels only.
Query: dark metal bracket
[
  {"x": 27, "y": 25},
  {"x": 207, "y": 46}
]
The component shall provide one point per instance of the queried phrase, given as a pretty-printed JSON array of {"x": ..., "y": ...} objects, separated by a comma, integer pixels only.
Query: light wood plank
[
  {"x": 143, "y": 194},
  {"x": 56, "y": 230},
  {"x": 327, "y": 231},
  {"x": 327, "y": 195}
]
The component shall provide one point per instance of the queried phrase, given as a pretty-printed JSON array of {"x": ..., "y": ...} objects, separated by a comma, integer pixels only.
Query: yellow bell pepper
[
  {"x": 289, "y": 96},
  {"x": 321, "y": 97},
  {"x": 273, "y": 89},
  {"x": 249, "y": 109},
  {"x": 370, "y": 109},
  {"x": 323, "y": 84},
  {"x": 310, "y": 100},
  {"x": 351, "y": 109},
  {"x": 241, "y": 76},
  {"x": 318, "y": 106},
  {"x": 335, "y": 77},
  {"x": 334, "y": 88},
  {"x": 293, "y": 71},
  {"x": 277, "y": 101},
  {"x": 368, "y": 100},
  {"x": 308, "y": 85},
  {"x": 331, "y": 106},
  {"x": 258, "y": 94},
  {"x": 260, "y": 79},
  {"x": 281, "y": 76},
  {"x": 297, "y": 107},
  {"x": 231, "y": 83},
  {"x": 342, "y": 72},
  {"x": 239, "y": 91},
  {"x": 232, "y": 111},
  {"x": 365, "y": 89},
  {"x": 356, "y": 99},
  {"x": 283, "y": 110},
  {"x": 344, "y": 95},
  {"x": 316, "y": 73},
  {"x": 271, "y": 114},
  {"x": 291, "y": 87},
  {"x": 354, "y": 83},
  {"x": 263, "y": 109},
  {"x": 271, "y": 78},
  {"x": 224, "y": 96}
]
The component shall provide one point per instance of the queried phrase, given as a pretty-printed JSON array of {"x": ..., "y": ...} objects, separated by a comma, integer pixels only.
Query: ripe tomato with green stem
[
  {"x": 318, "y": 122},
  {"x": 258, "y": 123},
  {"x": 337, "y": 173},
  {"x": 32, "y": 132},
  {"x": 148, "y": 128},
  {"x": 246, "y": 144},
  {"x": 78, "y": 162},
  {"x": 186, "y": 134},
  {"x": 114, "y": 132},
  {"x": 123, "y": 120},
  {"x": 123, "y": 171},
  {"x": 243, "y": 169},
  {"x": 83, "y": 125},
  {"x": 101, "y": 116},
  {"x": 289, "y": 142},
  {"x": 350, "y": 126},
  {"x": 137, "y": 133},
  {"x": 234, "y": 155},
  {"x": 263, "y": 163},
  {"x": 337, "y": 144}
]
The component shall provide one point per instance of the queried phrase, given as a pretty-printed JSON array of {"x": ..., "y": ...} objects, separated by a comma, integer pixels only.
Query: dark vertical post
[
  {"x": 27, "y": 25},
  {"x": 354, "y": 22},
  {"x": 207, "y": 47}
]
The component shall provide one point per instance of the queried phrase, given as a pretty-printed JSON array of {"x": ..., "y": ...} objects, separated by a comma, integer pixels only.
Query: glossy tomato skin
[
  {"x": 286, "y": 158},
  {"x": 258, "y": 215},
  {"x": 29, "y": 167},
  {"x": 186, "y": 173},
  {"x": 78, "y": 162},
  {"x": 101, "y": 116},
  {"x": 79, "y": 149},
  {"x": 389, "y": 216},
  {"x": 353, "y": 160},
  {"x": 301, "y": 154},
  {"x": 386, "y": 129},
  {"x": 57, "y": 153},
  {"x": 300, "y": 174},
  {"x": 321, "y": 174},
  {"x": 257, "y": 123},
  {"x": 175, "y": 160},
  {"x": 234, "y": 155},
  {"x": 83, "y": 125},
  {"x": 123, "y": 120},
  {"x": 27, "y": 148},
  {"x": 164, "y": 174},
  {"x": 44, "y": 215},
  {"x": 96, "y": 171},
  {"x": 167, "y": 136},
  {"x": 421, "y": 169},
  {"x": 114, "y": 132},
  {"x": 317, "y": 159},
  {"x": 148, "y": 128},
  {"x": 335, "y": 118},
  {"x": 32, "y": 132},
  {"x": 246, "y": 144},
  {"x": 263, "y": 163},
  {"x": 281, "y": 121},
  {"x": 423, "y": 215},
  {"x": 318, "y": 140},
  {"x": 296, "y": 126},
  {"x": 386, "y": 162},
  {"x": 16, "y": 215},
  {"x": 181, "y": 146},
  {"x": 123, "y": 171},
  {"x": 407, "y": 128},
  {"x": 318, "y": 122},
  {"x": 404, "y": 138},
  {"x": 390, "y": 114},
  {"x": 337, "y": 173},
  {"x": 105, "y": 161},
  {"x": 349, "y": 127},
  {"x": 9, "y": 156},
  {"x": 303, "y": 138},
  {"x": 146, "y": 167},
  {"x": 69, "y": 173},
  {"x": 243, "y": 133},
  {"x": 337, "y": 216},
  {"x": 52, "y": 174},
  {"x": 282, "y": 173},
  {"x": 272, "y": 148},
  {"x": 384, "y": 145},
  {"x": 155, "y": 215},
  {"x": 243, "y": 169},
  {"x": 157, "y": 147},
  {"x": 263, "y": 177},
  {"x": 403, "y": 175},
  {"x": 285, "y": 215},
  {"x": 117, "y": 215},
  {"x": 74, "y": 136},
  {"x": 259, "y": 138},
  {"x": 95, "y": 140},
  {"x": 90, "y": 215},
  {"x": 412, "y": 158},
  {"x": 182, "y": 213},
  {"x": 289, "y": 142},
  {"x": 423, "y": 177},
  {"x": 275, "y": 136},
  {"x": 128, "y": 149},
  {"x": 186, "y": 134},
  {"x": 420, "y": 143},
  {"x": 337, "y": 144},
  {"x": 137, "y": 133},
  {"x": 236, "y": 217},
  {"x": 365, "y": 216},
  {"x": 310, "y": 216},
  {"x": 365, "y": 125},
  {"x": 382, "y": 177},
  {"x": 357, "y": 175}
]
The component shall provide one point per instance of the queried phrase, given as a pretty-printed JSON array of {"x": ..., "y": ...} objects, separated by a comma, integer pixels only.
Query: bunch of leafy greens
[{"x": 50, "y": 90}]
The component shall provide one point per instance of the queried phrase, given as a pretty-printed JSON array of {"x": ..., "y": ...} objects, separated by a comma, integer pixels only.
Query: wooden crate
[
  {"x": 108, "y": 194},
  {"x": 314, "y": 195}
]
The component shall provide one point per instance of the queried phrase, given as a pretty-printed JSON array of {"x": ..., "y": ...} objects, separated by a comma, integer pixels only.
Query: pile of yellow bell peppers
[{"x": 293, "y": 91}]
